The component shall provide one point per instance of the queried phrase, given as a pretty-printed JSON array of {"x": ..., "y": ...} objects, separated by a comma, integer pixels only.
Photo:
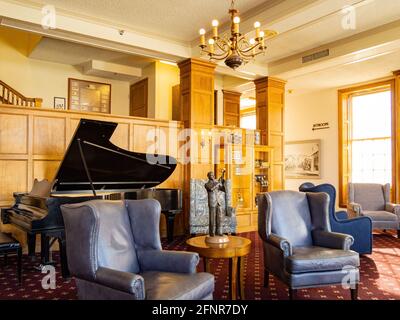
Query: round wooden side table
[{"x": 235, "y": 250}]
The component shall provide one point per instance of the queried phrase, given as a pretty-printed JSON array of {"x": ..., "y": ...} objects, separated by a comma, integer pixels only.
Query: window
[
  {"x": 371, "y": 137},
  {"x": 365, "y": 136}
]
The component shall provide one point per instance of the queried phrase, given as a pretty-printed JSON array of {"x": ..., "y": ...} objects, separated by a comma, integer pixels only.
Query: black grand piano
[{"x": 92, "y": 168}]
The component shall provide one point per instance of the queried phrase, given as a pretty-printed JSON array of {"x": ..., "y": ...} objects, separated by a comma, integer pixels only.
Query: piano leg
[
  {"x": 31, "y": 246},
  {"x": 63, "y": 257},
  {"x": 45, "y": 249},
  {"x": 170, "y": 217}
]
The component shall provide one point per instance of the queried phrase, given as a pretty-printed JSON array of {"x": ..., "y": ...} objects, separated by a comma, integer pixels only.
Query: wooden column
[
  {"x": 231, "y": 108},
  {"x": 270, "y": 110},
  {"x": 396, "y": 138},
  {"x": 197, "y": 107}
]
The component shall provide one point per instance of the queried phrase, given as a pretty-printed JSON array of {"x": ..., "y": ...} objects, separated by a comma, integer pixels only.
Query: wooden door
[{"x": 138, "y": 99}]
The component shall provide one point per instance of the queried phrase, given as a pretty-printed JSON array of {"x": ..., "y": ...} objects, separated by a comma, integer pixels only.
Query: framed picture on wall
[
  {"x": 89, "y": 96},
  {"x": 59, "y": 103},
  {"x": 303, "y": 159}
]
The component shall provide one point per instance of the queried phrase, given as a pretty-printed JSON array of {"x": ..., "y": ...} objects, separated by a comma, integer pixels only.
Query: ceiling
[
  {"x": 67, "y": 52},
  {"x": 321, "y": 29},
  {"x": 174, "y": 19},
  {"x": 344, "y": 75},
  {"x": 303, "y": 26}
]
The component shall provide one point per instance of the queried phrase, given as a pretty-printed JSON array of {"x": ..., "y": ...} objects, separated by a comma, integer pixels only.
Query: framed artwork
[
  {"x": 89, "y": 96},
  {"x": 303, "y": 159},
  {"x": 59, "y": 103}
]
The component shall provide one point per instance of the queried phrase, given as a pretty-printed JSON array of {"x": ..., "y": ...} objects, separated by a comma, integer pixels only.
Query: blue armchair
[{"x": 360, "y": 228}]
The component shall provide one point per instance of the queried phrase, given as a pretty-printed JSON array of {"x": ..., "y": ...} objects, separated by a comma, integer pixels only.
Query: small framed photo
[{"x": 59, "y": 103}]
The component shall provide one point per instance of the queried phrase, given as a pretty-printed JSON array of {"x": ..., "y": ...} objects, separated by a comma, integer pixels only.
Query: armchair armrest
[
  {"x": 123, "y": 281},
  {"x": 392, "y": 207},
  {"x": 280, "y": 243},
  {"x": 332, "y": 240},
  {"x": 354, "y": 208},
  {"x": 168, "y": 261}
]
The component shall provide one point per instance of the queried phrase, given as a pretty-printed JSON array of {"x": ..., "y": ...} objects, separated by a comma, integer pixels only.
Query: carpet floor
[{"x": 380, "y": 276}]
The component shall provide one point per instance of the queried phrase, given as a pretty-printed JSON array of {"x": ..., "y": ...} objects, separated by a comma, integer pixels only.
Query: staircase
[{"x": 9, "y": 95}]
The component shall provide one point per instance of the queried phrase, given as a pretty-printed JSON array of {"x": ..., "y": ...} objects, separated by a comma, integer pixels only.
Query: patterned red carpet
[{"x": 380, "y": 276}]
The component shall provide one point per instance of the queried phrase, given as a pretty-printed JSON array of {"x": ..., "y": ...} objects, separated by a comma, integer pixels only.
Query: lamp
[{"x": 234, "y": 49}]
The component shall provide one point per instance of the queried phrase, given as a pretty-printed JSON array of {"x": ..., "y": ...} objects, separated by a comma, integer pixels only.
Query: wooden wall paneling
[
  {"x": 145, "y": 138},
  {"x": 48, "y": 135},
  {"x": 138, "y": 103},
  {"x": 13, "y": 134},
  {"x": 176, "y": 103},
  {"x": 14, "y": 177},
  {"x": 197, "y": 107},
  {"x": 45, "y": 169},
  {"x": 270, "y": 112},
  {"x": 231, "y": 108}
]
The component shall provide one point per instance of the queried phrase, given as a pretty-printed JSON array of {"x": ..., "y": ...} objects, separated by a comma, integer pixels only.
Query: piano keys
[{"x": 92, "y": 168}]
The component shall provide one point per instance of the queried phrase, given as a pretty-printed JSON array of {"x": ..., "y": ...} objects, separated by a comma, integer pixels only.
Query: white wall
[
  {"x": 302, "y": 111},
  {"x": 46, "y": 80}
]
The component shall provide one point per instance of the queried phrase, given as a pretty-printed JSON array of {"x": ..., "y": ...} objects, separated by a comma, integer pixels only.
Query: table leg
[
  {"x": 206, "y": 264},
  {"x": 233, "y": 266},
  {"x": 241, "y": 277}
]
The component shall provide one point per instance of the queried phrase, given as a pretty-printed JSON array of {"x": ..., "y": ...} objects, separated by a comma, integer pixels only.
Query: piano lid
[{"x": 92, "y": 163}]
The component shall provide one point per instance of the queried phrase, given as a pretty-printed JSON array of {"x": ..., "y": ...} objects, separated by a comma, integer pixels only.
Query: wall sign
[{"x": 320, "y": 126}]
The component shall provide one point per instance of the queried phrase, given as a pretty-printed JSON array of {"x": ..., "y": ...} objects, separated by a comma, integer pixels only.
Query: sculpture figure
[{"x": 216, "y": 213}]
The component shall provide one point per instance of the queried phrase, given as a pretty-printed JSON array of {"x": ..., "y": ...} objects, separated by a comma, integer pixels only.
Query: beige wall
[
  {"x": 161, "y": 78},
  {"x": 46, "y": 80},
  {"x": 167, "y": 76},
  {"x": 302, "y": 111}
]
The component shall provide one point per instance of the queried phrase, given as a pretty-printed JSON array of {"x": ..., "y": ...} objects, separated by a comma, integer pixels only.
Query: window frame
[{"x": 344, "y": 134}]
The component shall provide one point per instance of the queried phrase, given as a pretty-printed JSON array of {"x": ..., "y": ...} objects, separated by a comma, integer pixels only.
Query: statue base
[{"x": 217, "y": 239}]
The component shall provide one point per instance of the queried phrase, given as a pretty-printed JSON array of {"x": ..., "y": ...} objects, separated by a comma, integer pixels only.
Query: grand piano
[{"x": 92, "y": 168}]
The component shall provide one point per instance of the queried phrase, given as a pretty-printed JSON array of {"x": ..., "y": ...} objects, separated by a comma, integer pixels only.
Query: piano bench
[{"x": 10, "y": 245}]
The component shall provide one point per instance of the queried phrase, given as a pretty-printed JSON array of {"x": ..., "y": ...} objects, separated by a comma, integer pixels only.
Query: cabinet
[{"x": 249, "y": 166}]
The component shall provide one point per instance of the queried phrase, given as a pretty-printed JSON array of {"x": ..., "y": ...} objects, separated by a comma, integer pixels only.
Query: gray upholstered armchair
[
  {"x": 299, "y": 247},
  {"x": 373, "y": 200},
  {"x": 114, "y": 252}
]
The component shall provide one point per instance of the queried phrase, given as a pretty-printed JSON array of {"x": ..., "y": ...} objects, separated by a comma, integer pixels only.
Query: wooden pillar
[
  {"x": 396, "y": 138},
  {"x": 197, "y": 107},
  {"x": 231, "y": 108},
  {"x": 270, "y": 111}
]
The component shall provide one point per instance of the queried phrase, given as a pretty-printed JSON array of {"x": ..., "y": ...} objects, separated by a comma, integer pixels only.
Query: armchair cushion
[
  {"x": 317, "y": 259},
  {"x": 177, "y": 286},
  {"x": 123, "y": 281},
  {"x": 332, "y": 240},
  {"x": 380, "y": 215},
  {"x": 168, "y": 261}
]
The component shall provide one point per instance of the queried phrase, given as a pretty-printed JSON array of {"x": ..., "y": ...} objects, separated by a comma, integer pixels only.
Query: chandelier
[{"x": 235, "y": 49}]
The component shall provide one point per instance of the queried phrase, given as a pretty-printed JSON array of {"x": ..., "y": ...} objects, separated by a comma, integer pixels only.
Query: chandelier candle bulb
[
  {"x": 262, "y": 39},
  {"x": 215, "y": 28},
  {"x": 257, "y": 27},
  {"x": 236, "y": 21},
  {"x": 202, "y": 37},
  {"x": 211, "y": 43}
]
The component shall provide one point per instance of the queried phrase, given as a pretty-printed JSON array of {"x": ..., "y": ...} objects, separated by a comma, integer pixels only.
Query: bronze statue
[{"x": 216, "y": 213}]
